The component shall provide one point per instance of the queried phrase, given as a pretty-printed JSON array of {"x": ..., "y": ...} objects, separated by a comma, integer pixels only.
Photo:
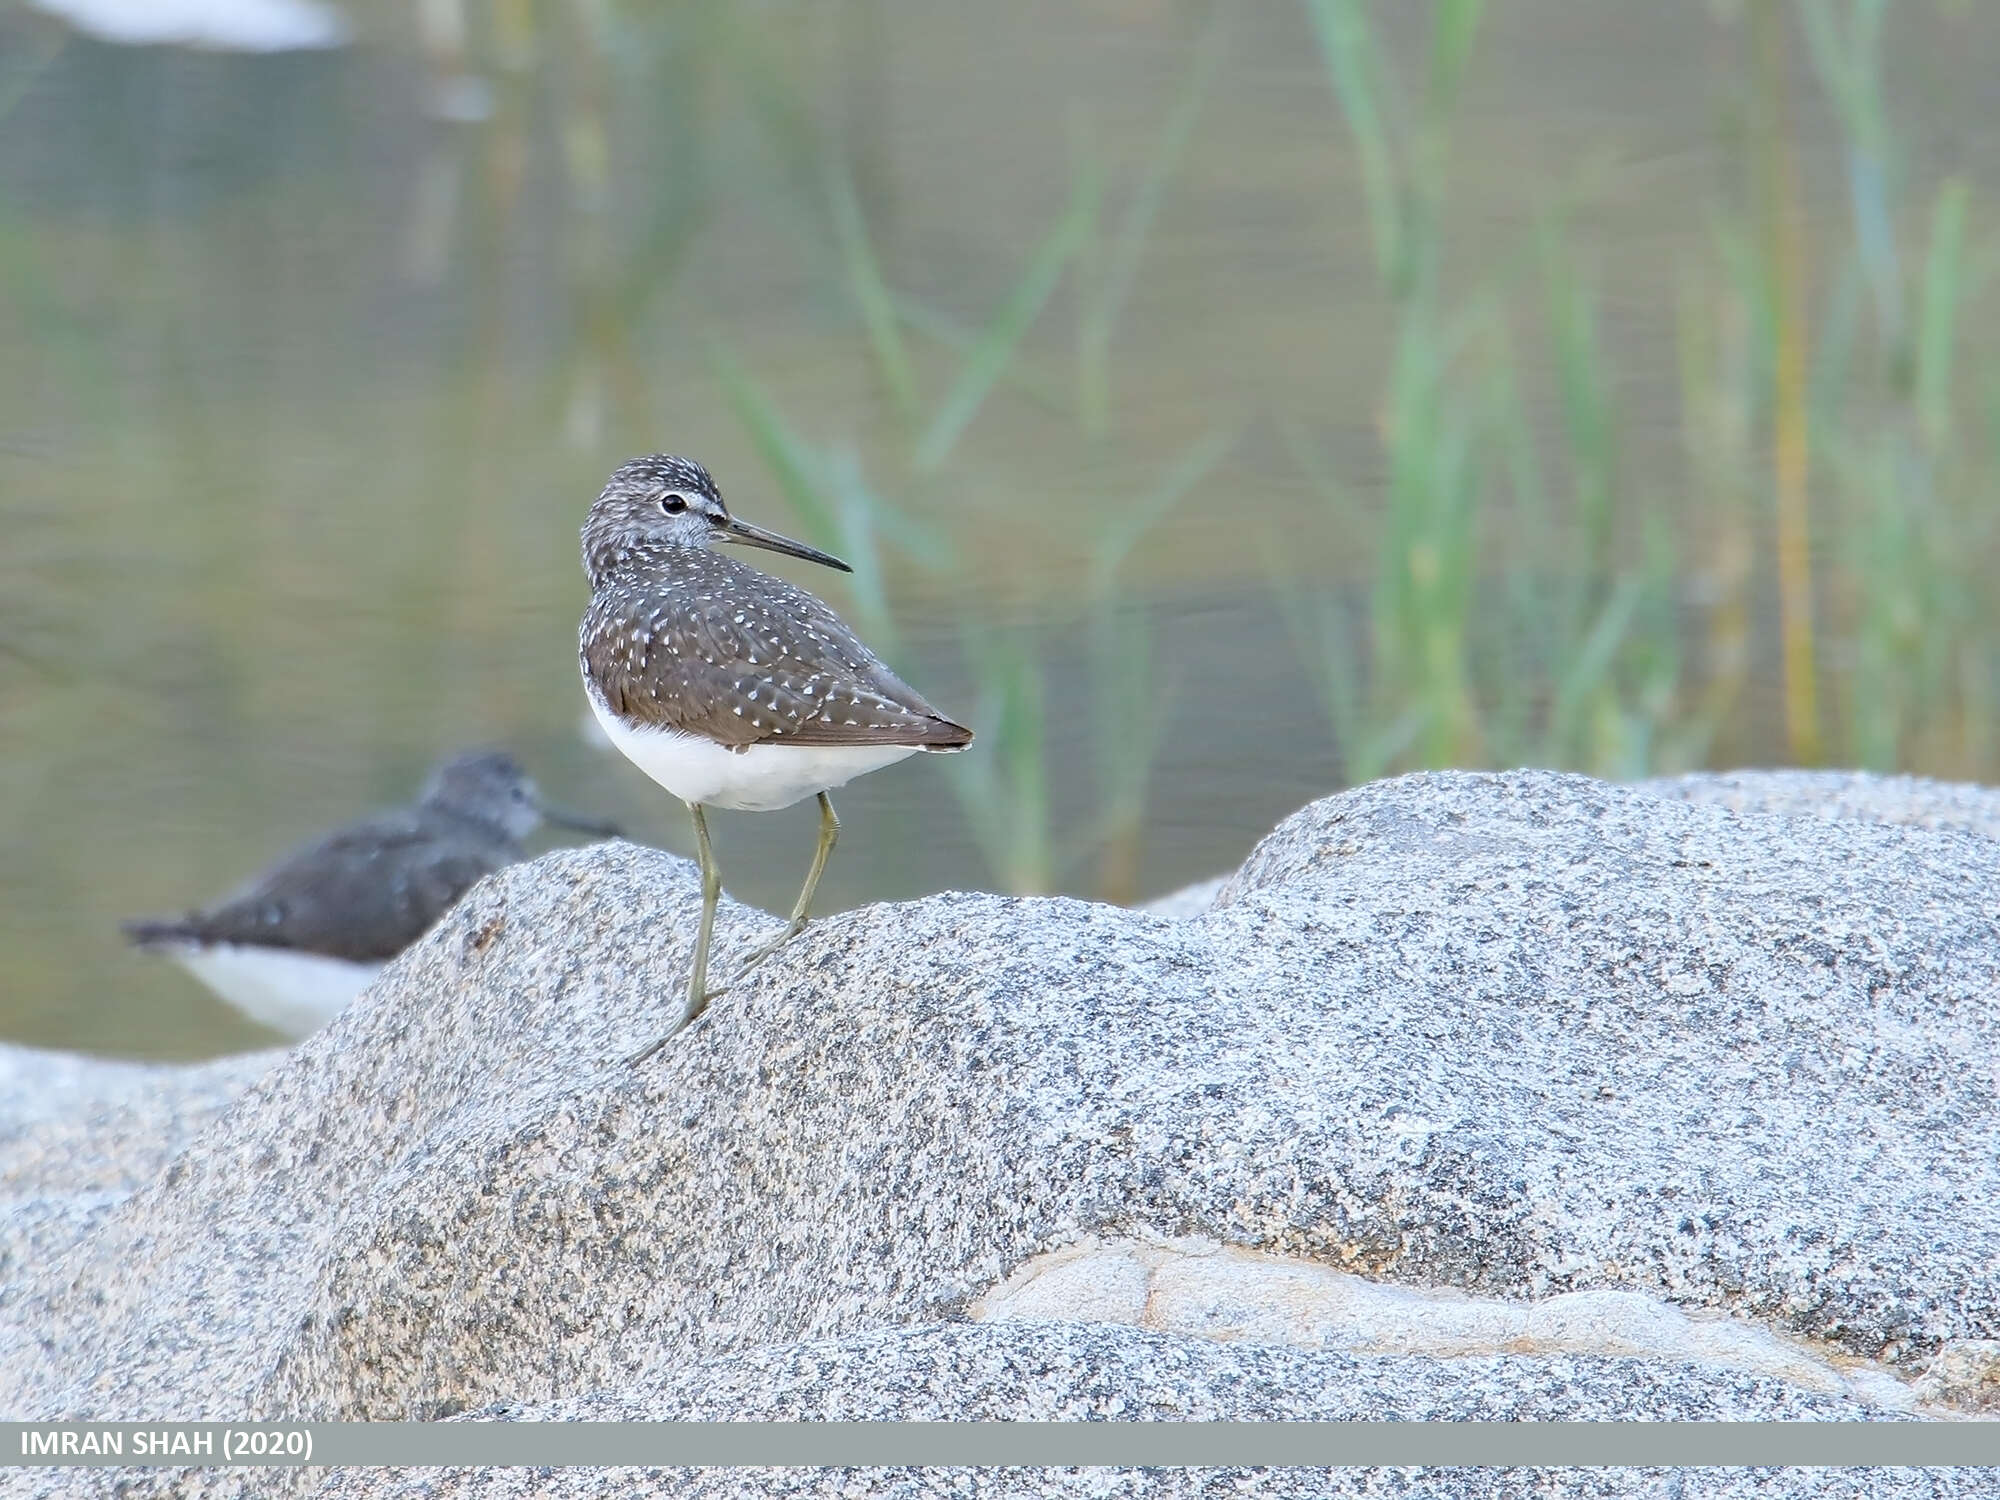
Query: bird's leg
[
  {"x": 711, "y": 890},
  {"x": 829, "y": 833},
  {"x": 698, "y": 994}
]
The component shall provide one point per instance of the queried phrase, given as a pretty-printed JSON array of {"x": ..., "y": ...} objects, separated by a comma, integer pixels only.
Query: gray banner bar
[{"x": 1141, "y": 1444}]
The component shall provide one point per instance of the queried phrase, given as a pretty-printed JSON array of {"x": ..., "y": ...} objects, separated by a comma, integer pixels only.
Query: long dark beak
[
  {"x": 734, "y": 530},
  {"x": 581, "y": 825}
]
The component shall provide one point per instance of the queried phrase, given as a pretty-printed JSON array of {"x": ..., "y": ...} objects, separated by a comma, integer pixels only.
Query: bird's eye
[{"x": 673, "y": 505}]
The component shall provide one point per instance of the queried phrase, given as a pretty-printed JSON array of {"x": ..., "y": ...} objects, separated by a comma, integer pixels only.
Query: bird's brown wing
[{"x": 752, "y": 665}]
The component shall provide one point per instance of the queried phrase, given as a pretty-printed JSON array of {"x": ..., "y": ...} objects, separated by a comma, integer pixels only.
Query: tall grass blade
[
  {"x": 871, "y": 293},
  {"x": 1101, "y": 312},
  {"x": 1117, "y": 536},
  {"x": 1130, "y": 711},
  {"x": 1785, "y": 259},
  {"x": 1091, "y": 386},
  {"x": 822, "y": 488},
  {"x": 1833, "y": 356},
  {"x": 860, "y": 513},
  {"x": 955, "y": 336},
  {"x": 998, "y": 341},
  {"x": 1454, "y": 28},
  {"x": 1943, "y": 291},
  {"x": 789, "y": 457},
  {"x": 1585, "y": 393},
  {"x": 1355, "y": 71},
  {"x": 1004, "y": 790},
  {"x": 1589, "y": 669},
  {"x": 1849, "y": 63}
]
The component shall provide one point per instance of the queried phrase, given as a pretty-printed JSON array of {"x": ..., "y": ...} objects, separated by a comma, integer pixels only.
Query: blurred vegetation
[
  {"x": 1530, "y": 602},
  {"x": 1487, "y": 498},
  {"x": 1586, "y": 652}
]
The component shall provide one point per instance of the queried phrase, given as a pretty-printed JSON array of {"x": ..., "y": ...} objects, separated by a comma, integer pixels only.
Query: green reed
[
  {"x": 1003, "y": 786},
  {"x": 1131, "y": 700},
  {"x": 1469, "y": 650},
  {"x": 1527, "y": 590},
  {"x": 1846, "y": 415},
  {"x": 1108, "y": 270},
  {"x": 1437, "y": 410},
  {"x": 1900, "y": 439},
  {"x": 1527, "y": 598}
]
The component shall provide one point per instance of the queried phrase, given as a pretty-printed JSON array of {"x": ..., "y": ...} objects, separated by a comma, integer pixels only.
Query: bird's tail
[
  {"x": 147, "y": 933},
  {"x": 945, "y": 736}
]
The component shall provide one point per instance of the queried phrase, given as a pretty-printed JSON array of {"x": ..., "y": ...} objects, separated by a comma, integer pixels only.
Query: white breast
[
  {"x": 286, "y": 990},
  {"x": 762, "y": 778}
]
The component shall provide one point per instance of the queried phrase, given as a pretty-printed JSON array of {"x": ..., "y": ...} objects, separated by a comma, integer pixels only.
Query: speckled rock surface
[
  {"x": 1083, "y": 1372},
  {"x": 1165, "y": 1484},
  {"x": 959, "y": 1372},
  {"x": 1063, "y": 1372},
  {"x": 1514, "y": 1036},
  {"x": 78, "y": 1135},
  {"x": 1189, "y": 901},
  {"x": 1914, "y": 800}
]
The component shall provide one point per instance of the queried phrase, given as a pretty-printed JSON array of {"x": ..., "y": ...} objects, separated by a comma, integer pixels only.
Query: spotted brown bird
[{"x": 728, "y": 686}]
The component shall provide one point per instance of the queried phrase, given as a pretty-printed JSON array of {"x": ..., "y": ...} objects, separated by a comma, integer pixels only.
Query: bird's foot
[
  {"x": 796, "y": 926},
  {"x": 692, "y": 1016},
  {"x": 645, "y": 1052}
]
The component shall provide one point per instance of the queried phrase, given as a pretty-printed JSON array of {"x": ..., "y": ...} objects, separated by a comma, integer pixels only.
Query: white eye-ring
[{"x": 673, "y": 505}]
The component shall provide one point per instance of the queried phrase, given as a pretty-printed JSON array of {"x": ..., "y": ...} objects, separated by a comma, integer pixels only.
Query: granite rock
[
  {"x": 79, "y": 1135},
  {"x": 1068, "y": 1372},
  {"x": 1189, "y": 901},
  {"x": 1827, "y": 796},
  {"x": 1500, "y": 1038},
  {"x": 1083, "y": 1372},
  {"x": 1416, "y": 1483},
  {"x": 1823, "y": 795}
]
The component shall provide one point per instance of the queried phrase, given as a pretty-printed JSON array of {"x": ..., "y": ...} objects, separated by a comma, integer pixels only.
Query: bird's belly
[
  {"x": 762, "y": 778},
  {"x": 286, "y": 990}
]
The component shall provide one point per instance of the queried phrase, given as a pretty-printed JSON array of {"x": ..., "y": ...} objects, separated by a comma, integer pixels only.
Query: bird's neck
[
  {"x": 471, "y": 823},
  {"x": 611, "y": 560}
]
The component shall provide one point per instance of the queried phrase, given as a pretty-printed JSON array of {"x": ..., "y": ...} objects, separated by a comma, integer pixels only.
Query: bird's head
[
  {"x": 666, "y": 501},
  {"x": 489, "y": 787}
]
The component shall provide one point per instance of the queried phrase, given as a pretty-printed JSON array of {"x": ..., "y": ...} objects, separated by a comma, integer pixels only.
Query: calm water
[{"x": 304, "y": 391}]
